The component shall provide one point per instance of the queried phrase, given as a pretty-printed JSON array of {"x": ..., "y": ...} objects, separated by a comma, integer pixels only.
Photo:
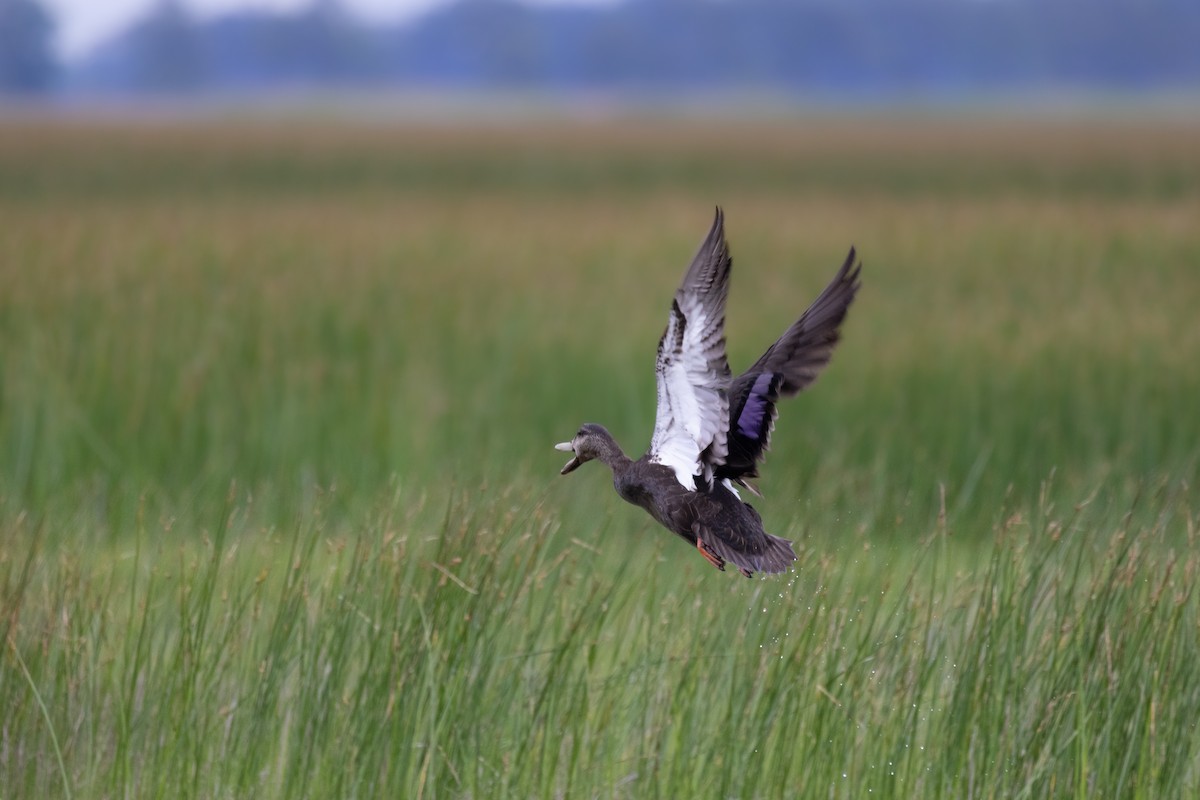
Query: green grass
[{"x": 280, "y": 517}]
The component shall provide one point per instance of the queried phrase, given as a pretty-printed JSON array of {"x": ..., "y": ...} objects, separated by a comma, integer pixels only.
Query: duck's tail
[
  {"x": 777, "y": 556},
  {"x": 771, "y": 555}
]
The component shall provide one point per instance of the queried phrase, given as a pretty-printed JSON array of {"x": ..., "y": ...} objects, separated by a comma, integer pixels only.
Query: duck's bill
[{"x": 571, "y": 465}]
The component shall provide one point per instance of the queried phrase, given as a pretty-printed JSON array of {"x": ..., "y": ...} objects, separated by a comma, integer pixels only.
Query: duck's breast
[{"x": 654, "y": 488}]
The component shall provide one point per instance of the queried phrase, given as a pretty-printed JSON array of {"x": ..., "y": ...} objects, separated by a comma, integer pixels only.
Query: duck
[{"x": 712, "y": 430}]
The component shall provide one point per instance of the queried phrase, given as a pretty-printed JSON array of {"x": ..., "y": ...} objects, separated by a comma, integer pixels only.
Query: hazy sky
[{"x": 83, "y": 23}]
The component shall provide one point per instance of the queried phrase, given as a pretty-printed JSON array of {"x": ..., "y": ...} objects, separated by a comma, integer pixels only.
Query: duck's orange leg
[{"x": 709, "y": 555}]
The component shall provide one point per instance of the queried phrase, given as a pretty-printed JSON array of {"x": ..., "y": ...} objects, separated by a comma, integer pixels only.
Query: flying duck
[{"x": 711, "y": 429}]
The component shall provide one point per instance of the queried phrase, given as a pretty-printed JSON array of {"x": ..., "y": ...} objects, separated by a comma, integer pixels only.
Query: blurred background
[{"x": 761, "y": 51}]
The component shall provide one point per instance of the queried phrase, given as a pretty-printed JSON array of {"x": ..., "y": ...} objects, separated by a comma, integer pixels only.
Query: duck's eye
[{"x": 579, "y": 433}]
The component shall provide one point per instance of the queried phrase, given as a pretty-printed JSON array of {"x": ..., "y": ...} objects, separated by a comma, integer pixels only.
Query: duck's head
[{"x": 592, "y": 441}]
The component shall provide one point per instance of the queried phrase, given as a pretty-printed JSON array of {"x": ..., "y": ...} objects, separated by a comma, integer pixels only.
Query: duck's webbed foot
[{"x": 709, "y": 555}]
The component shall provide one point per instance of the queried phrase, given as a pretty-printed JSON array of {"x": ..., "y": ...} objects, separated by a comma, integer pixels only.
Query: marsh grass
[
  {"x": 476, "y": 650},
  {"x": 280, "y": 516}
]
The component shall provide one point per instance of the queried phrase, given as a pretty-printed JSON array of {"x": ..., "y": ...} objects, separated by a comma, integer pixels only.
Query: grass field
[{"x": 280, "y": 517}]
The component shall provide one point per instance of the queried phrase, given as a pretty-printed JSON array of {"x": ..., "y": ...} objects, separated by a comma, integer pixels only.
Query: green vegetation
[{"x": 280, "y": 517}]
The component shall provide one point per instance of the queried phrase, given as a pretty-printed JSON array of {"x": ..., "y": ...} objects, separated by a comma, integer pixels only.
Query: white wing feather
[{"x": 692, "y": 370}]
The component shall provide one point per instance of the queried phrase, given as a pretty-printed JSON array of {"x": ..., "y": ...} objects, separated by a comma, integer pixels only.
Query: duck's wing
[
  {"x": 789, "y": 366},
  {"x": 692, "y": 370}
]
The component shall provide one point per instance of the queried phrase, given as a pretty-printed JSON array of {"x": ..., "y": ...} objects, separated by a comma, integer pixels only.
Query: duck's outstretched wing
[
  {"x": 693, "y": 372},
  {"x": 788, "y": 366}
]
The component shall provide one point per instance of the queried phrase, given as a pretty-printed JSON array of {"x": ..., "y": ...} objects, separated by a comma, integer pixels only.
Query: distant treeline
[{"x": 838, "y": 48}]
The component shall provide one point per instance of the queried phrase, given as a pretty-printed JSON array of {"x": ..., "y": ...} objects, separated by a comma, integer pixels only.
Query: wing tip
[{"x": 851, "y": 269}]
